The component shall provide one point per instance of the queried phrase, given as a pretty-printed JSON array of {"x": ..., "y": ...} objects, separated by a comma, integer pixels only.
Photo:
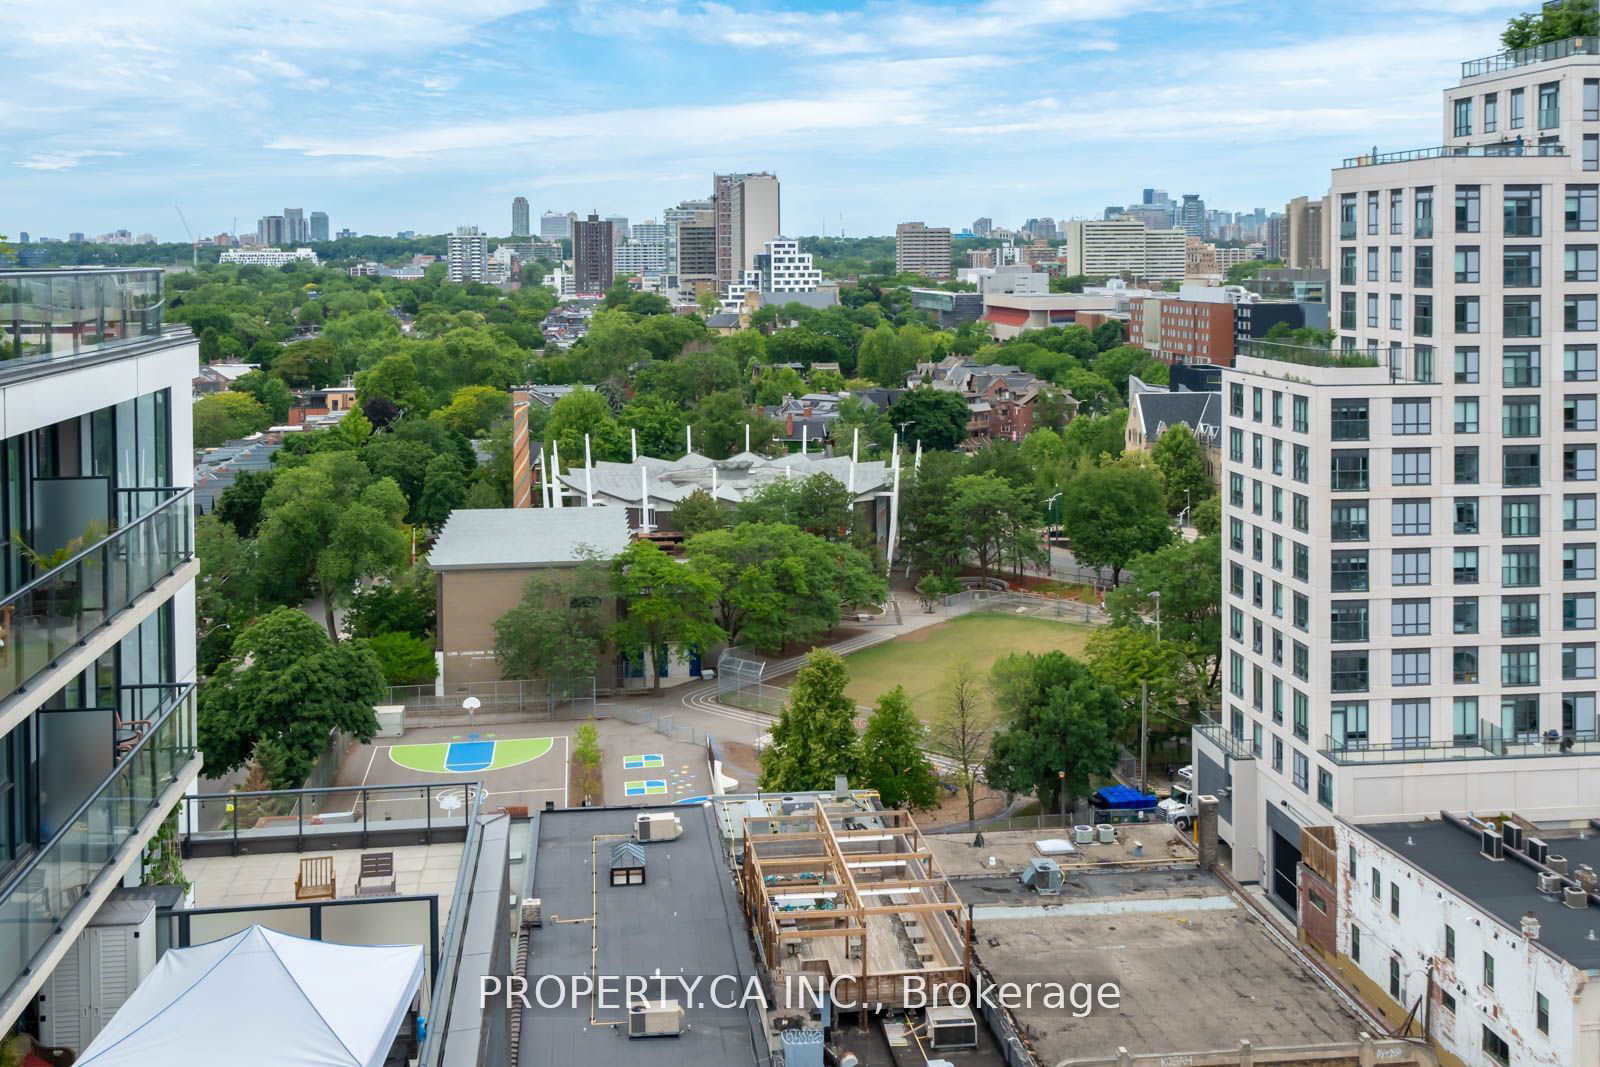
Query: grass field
[{"x": 920, "y": 660}]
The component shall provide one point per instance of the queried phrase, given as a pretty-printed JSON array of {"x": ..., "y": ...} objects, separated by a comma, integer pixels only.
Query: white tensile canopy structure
[{"x": 264, "y": 998}]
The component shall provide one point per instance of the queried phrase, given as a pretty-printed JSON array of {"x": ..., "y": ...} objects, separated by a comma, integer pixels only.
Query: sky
[{"x": 428, "y": 114}]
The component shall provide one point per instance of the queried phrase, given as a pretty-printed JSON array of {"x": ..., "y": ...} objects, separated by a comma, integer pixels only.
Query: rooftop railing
[
  {"x": 43, "y": 620},
  {"x": 48, "y": 315},
  {"x": 1491, "y": 742},
  {"x": 1306, "y": 355},
  {"x": 280, "y": 820},
  {"x": 1460, "y": 151},
  {"x": 1212, "y": 727},
  {"x": 1527, "y": 57}
]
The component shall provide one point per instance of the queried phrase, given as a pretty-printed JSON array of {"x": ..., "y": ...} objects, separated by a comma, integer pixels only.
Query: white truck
[{"x": 1179, "y": 807}]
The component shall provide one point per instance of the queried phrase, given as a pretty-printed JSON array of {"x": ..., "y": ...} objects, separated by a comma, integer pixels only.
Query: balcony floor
[{"x": 242, "y": 881}]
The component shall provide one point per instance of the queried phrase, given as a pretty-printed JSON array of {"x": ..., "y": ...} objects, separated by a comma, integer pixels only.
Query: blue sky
[{"x": 422, "y": 114}]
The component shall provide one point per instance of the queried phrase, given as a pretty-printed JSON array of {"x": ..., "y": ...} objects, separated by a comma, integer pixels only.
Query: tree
[
  {"x": 997, "y": 521},
  {"x": 1060, "y": 731},
  {"x": 1116, "y": 365},
  {"x": 404, "y": 658},
  {"x": 473, "y": 409},
  {"x": 403, "y": 606},
  {"x": 1207, "y": 517},
  {"x": 240, "y": 504},
  {"x": 658, "y": 423},
  {"x": 1094, "y": 392},
  {"x": 709, "y": 304},
  {"x": 1183, "y": 469},
  {"x": 819, "y": 504},
  {"x": 936, "y": 417},
  {"x": 1091, "y": 438},
  {"x": 586, "y": 776},
  {"x": 1571, "y": 18},
  {"x": 933, "y": 588},
  {"x": 1112, "y": 514},
  {"x": 814, "y": 739},
  {"x": 287, "y": 686},
  {"x": 393, "y": 378},
  {"x": 556, "y": 629},
  {"x": 1185, "y": 574},
  {"x": 444, "y": 488},
  {"x": 892, "y": 760},
  {"x": 666, "y": 607},
  {"x": 961, "y": 728},
  {"x": 580, "y": 412},
  {"x": 697, "y": 513},
  {"x": 270, "y": 392},
  {"x": 226, "y": 416},
  {"x": 719, "y": 426}
]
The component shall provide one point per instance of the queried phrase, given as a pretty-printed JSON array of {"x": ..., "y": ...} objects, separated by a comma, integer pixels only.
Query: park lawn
[{"x": 919, "y": 660}]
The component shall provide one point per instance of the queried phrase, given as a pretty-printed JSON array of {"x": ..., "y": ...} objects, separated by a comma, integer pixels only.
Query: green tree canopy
[
  {"x": 557, "y": 629},
  {"x": 892, "y": 760},
  {"x": 815, "y": 736},
  {"x": 1061, "y": 727},
  {"x": 1177, "y": 457},
  {"x": 270, "y": 392},
  {"x": 226, "y": 416},
  {"x": 936, "y": 417},
  {"x": 667, "y": 607},
  {"x": 1571, "y": 18},
  {"x": 1111, "y": 514}
]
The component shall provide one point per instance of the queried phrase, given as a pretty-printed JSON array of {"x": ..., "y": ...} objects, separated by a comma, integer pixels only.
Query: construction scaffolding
[{"x": 854, "y": 902}]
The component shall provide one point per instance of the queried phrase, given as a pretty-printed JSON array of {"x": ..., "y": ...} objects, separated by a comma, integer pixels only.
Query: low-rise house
[{"x": 1153, "y": 409}]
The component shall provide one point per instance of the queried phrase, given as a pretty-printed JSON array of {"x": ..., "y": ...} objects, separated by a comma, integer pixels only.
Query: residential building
[
  {"x": 97, "y": 665},
  {"x": 519, "y": 217},
  {"x": 270, "y": 231},
  {"x": 922, "y": 249},
  {"x": 1102, "y": 248},
  {"x": 620, "y": 230},
  {"x": 786, "y": 269},
  {"x": 75, "y": 236},
  {"x": 1274, "y": 237},
  {"x": 982, "y": 226},
  {"x": 639, "y": 257},
  {"x": 405, "y": 235},
  {"x": 592, "y": 260},
  {"x": 691, "y": 244},
  {"x": 1305, "y": 224},
  {"x": 554, "y": 226},
  {"x": 467, "y": 255},
  {"x": 295, "y": 228},
  {"x": 1437, "y": 470},
  {"x": 319, "y": 226},
  {"x": 268, "y": 257},
  {"x": 1191, "y": 216},
  {"x": 1210, "y": 323},
  {"x": 747, "y": 214},
  {"x": 1153, "y": 409}
]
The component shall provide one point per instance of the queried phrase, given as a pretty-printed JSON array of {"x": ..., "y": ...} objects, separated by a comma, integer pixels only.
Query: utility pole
[{"x": 1144, "y": 709}]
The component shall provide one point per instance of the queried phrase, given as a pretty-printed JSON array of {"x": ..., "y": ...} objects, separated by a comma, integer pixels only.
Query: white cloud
[{"x": 64, "y": 159}]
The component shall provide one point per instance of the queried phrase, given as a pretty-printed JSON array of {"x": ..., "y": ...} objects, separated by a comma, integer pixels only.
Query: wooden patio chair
[
  {"x": 377, "y": 875},
  {"x": 315, "y": 880}
]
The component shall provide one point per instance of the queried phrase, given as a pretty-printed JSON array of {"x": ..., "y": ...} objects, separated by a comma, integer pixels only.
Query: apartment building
[
  {"x": 268, "y": 257},
  {"x": 467, "y": 255},
  {"x": 922, "y": 249},
  {"x": 1102, "y": 248},
  {"x": 747, "y": 213},
  {"x": 97, "y": 615},
  {"x": 1305, "y": 223},
  {"x": 786, "y": 269},
  {"x": 1208, "y": 323},
  {"x": 691, "y": 244},
  {"x": 1409, "y": 519},
  {"x": 592, "y": 260}
]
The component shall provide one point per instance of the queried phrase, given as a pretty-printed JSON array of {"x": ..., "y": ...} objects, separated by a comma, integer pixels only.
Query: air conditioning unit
[
  {"x": 951, "y": 1027},
  {"x": 655, "y": 1018},
  {"x": 1550, "y": 883},
  {"x": 657, "y": 826},
  {"x": 1513, "y": 835},
  {"x": 1537, "y": 850},
  {"x": 1573, "y": 897},
  {"x": 1493, "y": 845},
  {"x": 115, "y": 952},
  {"x": 1587, "y": 880},
  {"x": 1556, "y": 863}
]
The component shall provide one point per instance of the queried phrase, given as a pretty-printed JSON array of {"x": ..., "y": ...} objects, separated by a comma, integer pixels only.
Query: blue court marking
[
  {"x": 639, "y": 763},
  {"x": 469, "y": 755}
]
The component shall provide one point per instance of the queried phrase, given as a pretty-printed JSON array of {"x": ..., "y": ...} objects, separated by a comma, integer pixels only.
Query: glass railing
[
  {"x": 35, "y": 900},
  {"x": 49, "y": 314},
  {"x": 1527, "y": 57},
  {"x": 1476, "y": 151},
  {"x": 1211, "y": 726},
  {"x": 275, "y": 820},
  {"x": 44, "y": 619}
]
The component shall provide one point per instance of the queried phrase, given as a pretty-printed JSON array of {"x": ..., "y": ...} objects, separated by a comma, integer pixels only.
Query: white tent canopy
[{"x": 264, "y": 998}]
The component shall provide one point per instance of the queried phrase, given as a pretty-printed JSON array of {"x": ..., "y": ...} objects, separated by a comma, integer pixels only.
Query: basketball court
[{"x": 518, "y": 763}]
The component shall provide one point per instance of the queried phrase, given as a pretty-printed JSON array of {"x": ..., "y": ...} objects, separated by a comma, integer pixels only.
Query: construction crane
[{"x": 194, "y": 245}]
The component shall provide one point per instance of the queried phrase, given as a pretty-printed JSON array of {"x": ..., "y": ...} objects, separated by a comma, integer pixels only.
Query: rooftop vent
[
  {"x": 1573, "y": 897},
  {"x": 1586, "y": 878},
  {"x": 1550, "y": 883},
  {"x": 1556, "y": 863},
  {"x": 655, "y": 1018},
  {"x": 1493, "y": 845},
  {"x": 1530, "y": 926}
]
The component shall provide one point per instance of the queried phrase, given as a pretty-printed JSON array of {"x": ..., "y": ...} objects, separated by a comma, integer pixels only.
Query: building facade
[
  {"x": 1191, "y": 216},
  {"x": 1305, "y": 223},
  {"x": 97, "y": 666},
  {"x": 268, "y": 257},
  {"x": 1102, "y": 248},
  {"x": 554, "y": 226},
  {"x": 519, "y": 217},
  {"x": 786, "y": 269},
  {"x": 467, "y": 255},
  {"x": 747, "y": 211},
  {"x": 922, "y": 249},
  {"x": 592, "y": 259},
  {"x": 319, "y": 226}
]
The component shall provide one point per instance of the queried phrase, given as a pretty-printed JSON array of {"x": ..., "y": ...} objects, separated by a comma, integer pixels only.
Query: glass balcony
[
  {"x": 1527, "y": 57},
  {"x": 1477, "y": 151},
  {"x": 35, "y": 899},
  {"x": 49, "y": 315},
  {"x": 43, "y": 620}
]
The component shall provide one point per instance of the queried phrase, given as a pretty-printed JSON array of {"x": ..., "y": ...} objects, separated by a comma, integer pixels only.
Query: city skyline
[{"x": 428, "y": 117}]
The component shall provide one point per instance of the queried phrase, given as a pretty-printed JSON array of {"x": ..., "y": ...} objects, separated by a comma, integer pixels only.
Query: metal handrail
[
  {"x": 1513, "y": 58},
  {"x": 1477, "y": 151},
  {"x": 454, "y": 930}
]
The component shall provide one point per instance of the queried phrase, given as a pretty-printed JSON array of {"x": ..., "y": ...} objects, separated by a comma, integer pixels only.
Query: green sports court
[{"x": 473, "y": 755}]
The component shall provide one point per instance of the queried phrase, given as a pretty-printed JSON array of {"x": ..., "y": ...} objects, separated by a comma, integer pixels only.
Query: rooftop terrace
[
  {"x": 1527, "y": 57},
  {"x": 49, "y": 315}
]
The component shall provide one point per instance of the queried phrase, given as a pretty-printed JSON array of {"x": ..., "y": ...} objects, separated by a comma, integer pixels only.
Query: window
[
  {"x": 1466, "y": 264},
  {"x": 1347, "y": 266},
  {"x": 1372, "y": 264},
  {"x": 1578, "y": 313},
  {"x": 1424, "y": 212},
  {"x": 1464, "y": 566},
  {"x": 1411, "y": 566},
  {"x": 1411, "y": 518},
  {"x": 1577, "y": 662},
  {"x": 1466, "y": 515},
  {"x": 1520, "y": 417},
  {"x": 1412, "y": 416},
  {"x": 1577, "y": 563},
  {"x": 1577, "y": 463},
  {"x": 1277, "y": 409},
  {"x": 1372, "y": 309},
  {"x": 1349, "y": 418},
  {"x": 1302, "y": 464},
  {"x": 1408, "y": 618},
  {"x": 1519, "y": 516},
  {"x": 1409, "y": 722},
  {"x": 1301, "y": 770},
  {"x": 1464, "y": 615},
  {"x": 1422, "y": 266},
  {"x": 1411, "y": 667},
  {"x": 1447, "y": 1001},
  {"x": 1236, "y": 401},
  {"x": 1412, "y": 466},
  {"x": 1519, "y": 367},
  {"x": 1372, "y": 212},
  {"x": 1495, "y": 1047},
  {"x": 1349, "y": 724},
  {"x": 1488, "y": 970},
  {"x": 1349, "y": 620},
  {"x": 1465, "y": 719},
  {"x": 1549, "y": 105},
  {"x": 1519, "y": 567},
  {"x": 1324, "y": 794},
  {"x": 1519, "y": 616},
  {"x": 1348, "y": 520},
  {"x": 1578, "y": 513},
  {"x": 1349, "y": 672},
  {"x": 1301, "y": 407},
  {"x": 1579, "y": 264},
  {"x": 1582, "y": 208},
  {"x": 1591, "y": 151},
  {"x": 1491, "y": 112},
  {"x": 1302, "y": 562},
  {"x": 1521, "y": 316},
  {"x": 1522, "y": 211},
  {"x": 1519, "y": 665},
  {"x": 1577, "y": 611},
  {"x": 1467, "y": 209},
  {"x": 1300, "y": 665},
  {"x": 1464, "y": 666},
  {"x": 1449, "y": 942},
  {"x": 1466, "y": 366},
  {"x": 1397, "y": 311},
  {"x": 1541, "y": 1012},
  {"x": 1519, "y": 717},
  {"x": 1520, "y": 466},
  {"x": 1578, "y": 363},
  {"x": 1578, "y": 414},
  {"x": 1397, "y": 260},
  {"x": 1591, "y": 100},
  {"x": 1255, "y": 404},
  {"x": 1466, "y": 314},
  {"x": 1349, "y": 473},
  {"x": 1521, "y": 265},
  {"x": 1300, "y": 517},
  {"x": 1349, "y": 572}
]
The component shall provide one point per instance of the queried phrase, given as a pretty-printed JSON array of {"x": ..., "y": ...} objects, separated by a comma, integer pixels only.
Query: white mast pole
[
  {"x": 855, "y": 452},
  {"x": 644, "y": 500},
  {"x": 688, "y": 439},
  {"x": 916, "y": 464},
  {"x": 805, "y": 438},
  {"x": 747, "y": 437},
  {"x": 588, "y": 474},
  {"x": 633, "y": 443},
  {"x": 894, "y": 506},
  {"x": 555, "y": 471}
]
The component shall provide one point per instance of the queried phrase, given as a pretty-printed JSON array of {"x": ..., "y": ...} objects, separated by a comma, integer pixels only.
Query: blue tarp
[{"x": 1122, "y": 798}]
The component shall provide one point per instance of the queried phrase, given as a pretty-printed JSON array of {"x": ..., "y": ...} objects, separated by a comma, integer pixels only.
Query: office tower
[
  {"x": 22, "y": 237},
  {"x": 1192, "y": 216},
  {"x": 1275, "y": 237},
  {"x": 467, "y": 253},
  {"x": 982, "y": 226},
  {"x": 554, "y": 226},
  {"x": 1101, "y": 249},
  {"x": 619, "y": 228},
  {"x": 1409, "y": 522},
  {"x": 519, "y": 217},
  {"x": 319, "y": 225},
  {"x": 75, "y": 235},
  {"x": 295, "y": 230},
  {"x": 98, "y": 735},
  {"x": 1151, "y": 196},
  {"x": 747, "y": 215},
  {"x": 691, "y": 244},
  {"x": 1304, "y": 227},
  {"x": 270, "y": 231},
  {"x": 922, "y": 249},
  {"x": 592, "y": 256}
]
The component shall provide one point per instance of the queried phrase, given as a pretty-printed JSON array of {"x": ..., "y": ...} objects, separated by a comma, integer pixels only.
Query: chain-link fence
[
  {"x": 508, "y": 700},
  {"x": 1026, "y": 604}
]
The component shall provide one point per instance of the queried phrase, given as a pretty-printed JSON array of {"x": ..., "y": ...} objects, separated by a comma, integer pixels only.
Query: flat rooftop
[
  {"x": 1156, "y": 843},
  {"x": 268, "y": 877},
  {"x": 685, "y": 920},
  {"x": 1197, "y": 971},
  {"x": 528, "y": 537},
  {"x": 1505, "y": 889}
]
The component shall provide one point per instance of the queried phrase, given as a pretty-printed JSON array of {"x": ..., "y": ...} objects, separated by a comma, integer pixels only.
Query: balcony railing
[
  {"x": 44, "y": 619},
  {"x": 1476, "y": 151},
  {"x": 1527, "y": 57},
  {"x": 35, "y": 900},
  {"x": 284, "y": 820},
  {"x": 1491, "y": 742},
  {"x": 47, "y": 314},
  {"x": 1306, "y": 355},
  {"x": 1212, "y": 727}
]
